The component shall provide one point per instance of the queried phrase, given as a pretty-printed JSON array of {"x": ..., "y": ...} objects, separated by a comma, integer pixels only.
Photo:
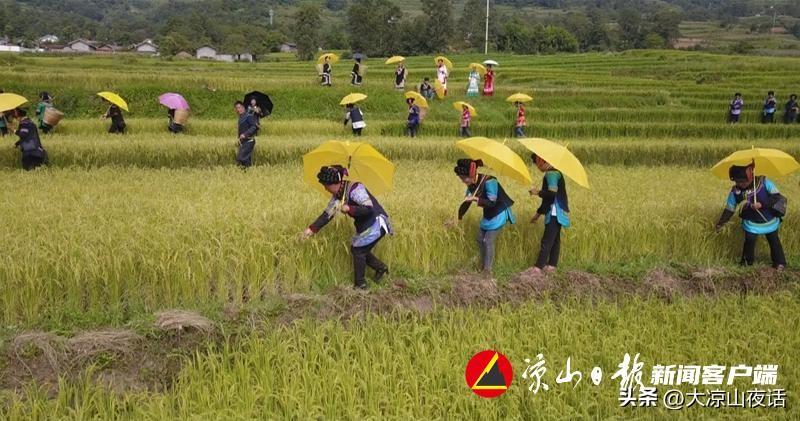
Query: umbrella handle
[{"x": 345, "y": 194}]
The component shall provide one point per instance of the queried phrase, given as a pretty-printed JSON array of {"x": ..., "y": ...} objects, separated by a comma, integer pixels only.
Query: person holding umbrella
[
  {"x": 177, "y": 110},
  {"x": 413, "y": 118},
  {"x": 117, "y": 121},
  {"x": 763, "y": 208},
  {"x": 467, "y": 112},
  {"x": 488, "y": 194},
  {"x": 488, "y": 78},
  {"x": 400, "y": 75},
  {"x": 326, "y": 71},
  {"x": 114, "y": 112},
  {"x": 355, "y": 116},
  {"x": 555, "y": 208},
  {"x": 348, "y": 192},
  {"x": 442, "y": 74},
  {"x": 33, "y": 154},
  {"x": 248, "y": 128},
  {"x": 472, "y": 85},
  {"x": 356, "y": 77},
  {"x": 556, "y": 162}
]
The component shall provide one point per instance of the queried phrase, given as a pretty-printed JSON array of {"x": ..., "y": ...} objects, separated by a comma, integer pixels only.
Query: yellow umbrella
[
  {"x": 459, "y": 104},
  {"x": 332, "y": 58},
  {"x": 478, "y": 67},
  {"x": 519, "y": 97},
  {"x": 419, "y": 100},
  {"x": 445, "y": 60},
  {"x": 352, "y": 99},
  {"x": 10, "y": 101},
  {"x": 114, "y": 99},
  {"x": 395, "y": 59},
  {"x": 772, "y": 163},
  {"x": 365, "y": 165},
  {"x": 559, "y": 157},
  {"x": 439, "y": 88},
  {"x": 496, "y": 156}
]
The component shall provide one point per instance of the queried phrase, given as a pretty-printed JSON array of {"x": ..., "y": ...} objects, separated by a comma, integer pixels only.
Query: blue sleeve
[
  {"x": 491, "y": 190},
  {"x": 552, "y": 178},
  {"x": 770, "y": 186},
  {"x": 730, "y": 203}
]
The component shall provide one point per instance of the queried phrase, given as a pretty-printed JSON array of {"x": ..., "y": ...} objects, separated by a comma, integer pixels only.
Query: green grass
[{"x": 413, "y": 368}]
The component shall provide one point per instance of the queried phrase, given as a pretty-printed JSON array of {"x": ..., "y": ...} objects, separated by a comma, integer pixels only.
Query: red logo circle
[{"x": 489, "y": 374}]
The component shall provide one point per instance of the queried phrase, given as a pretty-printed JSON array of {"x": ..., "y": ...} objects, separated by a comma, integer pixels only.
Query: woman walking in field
[
  {"x": 791, "y": 110},
  {"x": 45, "y": 103},
  {"x": 555, "y": 208},
  {"x": 487, "y": 193},
  {"x": 466, "y": 119},
  {"x": 488, "y": 81},
  {"x": 326, "y": 72},
  {"x": 117, "y": 121},
  {"x": 248, "y": 128},
  {"x": 472, "y": 85},
  {"x": 356, "y": 73},
  {"x": 370, "y": 220},
  {"x": 400, "y": 75},
  {"x": 770, "y": 106},
  {"x": 519, "y": 123},
  {"x": 442, "y": 74},
  {"x": 355, "y": 116},
  {"x": 33, "y": 154},
  {"x": 735, "y": 106},
  {"x": 414, "y": 118},
  {"x": 761, "y": 213}
]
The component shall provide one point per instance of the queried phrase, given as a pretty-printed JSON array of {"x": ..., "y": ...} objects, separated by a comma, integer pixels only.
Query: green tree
[
  {"x": 306, "y": 31},
  {"x": 439, "y": 28},
  {"x": 373, "y": 26},
  {"x": 665, "y": 23},
  {"x": 471, "y": 28},
  {"x": 630, "y": 27}
]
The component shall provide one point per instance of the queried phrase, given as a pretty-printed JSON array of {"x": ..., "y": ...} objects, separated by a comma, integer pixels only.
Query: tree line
[{"x": 375, "y": 27}]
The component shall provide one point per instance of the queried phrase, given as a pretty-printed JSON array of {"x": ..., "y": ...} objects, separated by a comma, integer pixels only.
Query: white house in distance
[
  {"x": 206, "y": 51},
  {"x": 48, "y": 39},
  {"x": 81, "y": 46},
  {"x": 210, "y": 53},
  {"x": 146, "y": 47}
]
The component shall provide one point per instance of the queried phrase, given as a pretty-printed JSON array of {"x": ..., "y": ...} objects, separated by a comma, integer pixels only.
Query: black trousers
[
  {"x": 767, "y": 117},
  {"x": 550, "y": 249},
  {"x": 411, "y": 129},
  {"x": 245, "y": 155},
  {"x": 363, "y": 257},
  {"x": 30, "y": 162},
  {"x": 775, "y": 249},
  {"x": 357, "y": 132},
  {"x": 117, "y": 127}
]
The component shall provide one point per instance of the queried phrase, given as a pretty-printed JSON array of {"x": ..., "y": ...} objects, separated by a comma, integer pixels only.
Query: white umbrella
[{"x": 492, "y": 62}]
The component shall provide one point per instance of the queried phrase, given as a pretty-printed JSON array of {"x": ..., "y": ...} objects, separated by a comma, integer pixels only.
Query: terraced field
[{"x": 119, "y": 229}]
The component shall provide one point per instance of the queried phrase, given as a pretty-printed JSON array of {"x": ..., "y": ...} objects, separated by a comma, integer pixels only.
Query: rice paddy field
[{"x": 145, "y": 276}]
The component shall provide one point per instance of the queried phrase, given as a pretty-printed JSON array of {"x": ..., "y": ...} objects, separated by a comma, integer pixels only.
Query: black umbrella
[{"x": 262, "y": 100}]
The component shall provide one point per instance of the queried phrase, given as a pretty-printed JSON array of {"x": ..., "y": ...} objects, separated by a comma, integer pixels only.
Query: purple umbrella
[{"x": 173, "y": 101}]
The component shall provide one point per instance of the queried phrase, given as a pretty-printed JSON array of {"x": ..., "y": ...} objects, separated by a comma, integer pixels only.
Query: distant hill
[{"x": 246, "y": 24}]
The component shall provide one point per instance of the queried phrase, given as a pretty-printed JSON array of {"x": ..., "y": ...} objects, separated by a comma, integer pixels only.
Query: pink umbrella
[{"x": 173, "y": 101}]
